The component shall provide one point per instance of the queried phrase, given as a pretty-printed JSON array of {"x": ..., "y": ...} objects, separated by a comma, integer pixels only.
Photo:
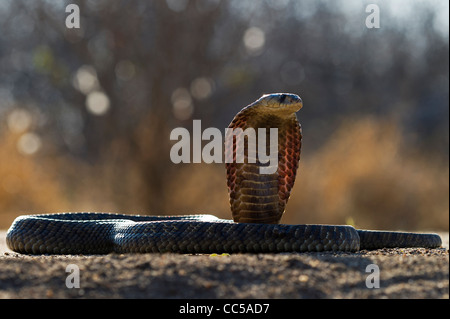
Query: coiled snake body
[{"x": 257, "y": 203}]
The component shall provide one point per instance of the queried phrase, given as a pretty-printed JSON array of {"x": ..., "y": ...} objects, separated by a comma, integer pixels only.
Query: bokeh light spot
[{"x": 97, "y": 103}]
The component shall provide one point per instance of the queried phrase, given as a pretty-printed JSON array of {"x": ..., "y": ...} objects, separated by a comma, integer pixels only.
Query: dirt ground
[{"x": 403, "y": 273}]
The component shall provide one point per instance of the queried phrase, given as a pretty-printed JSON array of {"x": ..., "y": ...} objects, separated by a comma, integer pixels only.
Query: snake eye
[{"x": 282, "y": 98}]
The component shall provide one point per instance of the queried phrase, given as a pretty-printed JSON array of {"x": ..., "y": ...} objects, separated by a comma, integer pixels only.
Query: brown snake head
[{"x": 257, "y": 197}]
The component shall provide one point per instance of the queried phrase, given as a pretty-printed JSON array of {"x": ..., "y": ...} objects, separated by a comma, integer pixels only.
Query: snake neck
[{"x": 256, "y": 197}]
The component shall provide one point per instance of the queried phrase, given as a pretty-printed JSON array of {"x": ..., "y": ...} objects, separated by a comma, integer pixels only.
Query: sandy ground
[{"x": 403, "y": 273}]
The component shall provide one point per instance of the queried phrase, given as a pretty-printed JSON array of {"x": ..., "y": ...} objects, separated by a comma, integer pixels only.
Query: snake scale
[{"x": 257, "y": 203}]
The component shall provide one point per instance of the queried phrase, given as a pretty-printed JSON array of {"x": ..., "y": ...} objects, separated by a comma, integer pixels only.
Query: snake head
[{"x": 280, "y": 104}]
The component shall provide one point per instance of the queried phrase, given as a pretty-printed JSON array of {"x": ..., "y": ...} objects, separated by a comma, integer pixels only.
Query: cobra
[{"x": 257, "y": 202}]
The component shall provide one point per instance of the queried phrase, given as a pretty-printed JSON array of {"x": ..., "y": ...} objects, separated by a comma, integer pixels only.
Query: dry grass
[
  {"x": 25, "y": 185},
  {"x": 364, "y": 174}
]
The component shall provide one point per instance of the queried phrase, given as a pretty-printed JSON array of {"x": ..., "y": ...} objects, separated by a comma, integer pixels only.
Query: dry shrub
[
  {"x": 199, "y": 189},
  {"x": 44, "y": 183},
  {"x": 365, "y": 173},
  {"x": 25, "y": 185}
]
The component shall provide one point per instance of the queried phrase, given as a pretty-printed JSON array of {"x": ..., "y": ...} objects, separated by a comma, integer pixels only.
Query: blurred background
[{"x": 86, "y": 114}]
